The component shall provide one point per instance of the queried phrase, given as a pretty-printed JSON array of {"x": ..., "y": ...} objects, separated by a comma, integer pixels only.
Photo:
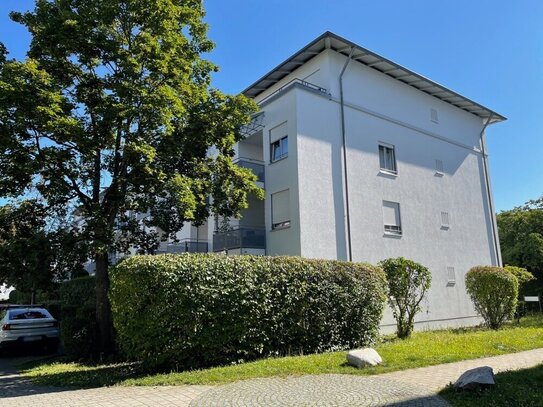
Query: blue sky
[{"x": 489, "y": 51}]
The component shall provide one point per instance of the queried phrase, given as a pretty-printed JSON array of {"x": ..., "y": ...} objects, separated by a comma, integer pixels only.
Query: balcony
[
  {"x": 240, "y": 237},
  {"x": 256, "y": 166},
  {"x": 187, "y": 246}
]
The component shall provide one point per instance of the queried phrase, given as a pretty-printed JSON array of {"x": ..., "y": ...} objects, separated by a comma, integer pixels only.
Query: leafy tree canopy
[
  {"x": 112, "y": 112},
  {"x": 521, "y": 236},
  {"x": 31, "y": 256}
]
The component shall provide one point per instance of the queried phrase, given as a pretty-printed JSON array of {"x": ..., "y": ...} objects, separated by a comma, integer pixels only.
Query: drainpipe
[
  {"x": 489, "y": 194},
  {"x": 345, "y": 177}
]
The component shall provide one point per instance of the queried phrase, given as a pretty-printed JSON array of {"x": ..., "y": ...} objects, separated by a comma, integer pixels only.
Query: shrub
[
  {"x": 408, "y": 282},
  {"x": 494, "y": 293},
  {"x": 78, "y": 317},
  {"x": 195, "y": 310},
  {"x": 522, "y": 275}
]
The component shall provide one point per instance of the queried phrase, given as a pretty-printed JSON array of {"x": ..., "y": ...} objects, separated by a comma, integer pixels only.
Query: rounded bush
[
  {"x": 194, "y": 310},
  {"x": 408, "y": 283},
  {"x": 494, "y": 293}
]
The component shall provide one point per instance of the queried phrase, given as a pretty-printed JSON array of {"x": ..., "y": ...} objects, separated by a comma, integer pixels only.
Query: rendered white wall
[{"x": 422, "y": 195}]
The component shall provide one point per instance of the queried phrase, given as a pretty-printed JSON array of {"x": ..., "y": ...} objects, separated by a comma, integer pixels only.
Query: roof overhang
[{"x": 364, "y": 56}]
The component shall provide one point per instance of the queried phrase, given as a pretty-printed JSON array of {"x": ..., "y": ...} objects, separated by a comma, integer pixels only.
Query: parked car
[{"x": 28, "y": 324}]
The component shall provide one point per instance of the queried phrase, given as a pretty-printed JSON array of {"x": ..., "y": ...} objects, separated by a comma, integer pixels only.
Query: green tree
[
  {"x": 33, "y": 258},
  {"x": 521, "y": 236},
  {"x": 408, "y": 283},
  {"x": 112, "y": 112}
]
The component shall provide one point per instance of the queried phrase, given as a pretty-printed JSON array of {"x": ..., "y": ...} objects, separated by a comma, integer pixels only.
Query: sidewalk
[{"x": 415, "y": 387}]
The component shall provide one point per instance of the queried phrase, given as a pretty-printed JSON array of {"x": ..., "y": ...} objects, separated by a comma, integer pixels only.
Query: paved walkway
[{"x": 415, "y": 387}]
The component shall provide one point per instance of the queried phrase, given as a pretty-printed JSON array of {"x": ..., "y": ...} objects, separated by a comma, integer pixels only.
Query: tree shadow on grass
[{"x": 514, "y": 388}]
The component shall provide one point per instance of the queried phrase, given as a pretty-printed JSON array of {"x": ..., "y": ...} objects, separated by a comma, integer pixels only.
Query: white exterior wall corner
[
  {"x": 282, "y": 175},
  {"x": 403, "y": 120}
]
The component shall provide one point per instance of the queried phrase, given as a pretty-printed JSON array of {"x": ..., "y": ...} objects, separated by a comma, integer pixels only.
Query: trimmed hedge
[
  {"x": 195, "y": 310},
  {"x": 494, "y": 293},
  {"x": 78, "y": 317}
]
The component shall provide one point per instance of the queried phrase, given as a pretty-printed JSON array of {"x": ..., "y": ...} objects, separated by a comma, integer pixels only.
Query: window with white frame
[
  {"x": 279, "y": 142},
  {"x": 391, "y": 218},
  {"x": 280, "y": 205},
  {"x": 387, "y": 158},
  {"x": 279, "y": 149}
]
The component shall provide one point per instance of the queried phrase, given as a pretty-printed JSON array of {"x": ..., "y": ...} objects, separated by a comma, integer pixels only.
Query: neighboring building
[{"x": 364, "y": 160}]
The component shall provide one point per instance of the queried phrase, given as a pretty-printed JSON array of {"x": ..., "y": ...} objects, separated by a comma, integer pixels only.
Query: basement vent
[
  {"x": 439, "y": 166},
  {"x": 433, "y": 116},
  {"x": 445, "y": 220},
  {"x": 451, "y": 276}
]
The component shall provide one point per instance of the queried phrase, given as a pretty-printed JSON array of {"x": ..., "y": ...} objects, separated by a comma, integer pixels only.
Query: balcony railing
[
  {"x": 242, "y": 237},
  {"x": 187, "y": 246},
  {"x": 257, "y": 167}
]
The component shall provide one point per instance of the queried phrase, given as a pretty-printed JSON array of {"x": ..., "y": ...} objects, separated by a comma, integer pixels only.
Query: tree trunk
[
  {"x": 33, "y": 297},
  {"x": 104, "y": 323}
]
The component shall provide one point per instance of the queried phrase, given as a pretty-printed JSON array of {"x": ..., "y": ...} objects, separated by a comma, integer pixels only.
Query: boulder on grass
[
  {"x": 363, "y": 357},
  {"x": 475, "y": 378}
]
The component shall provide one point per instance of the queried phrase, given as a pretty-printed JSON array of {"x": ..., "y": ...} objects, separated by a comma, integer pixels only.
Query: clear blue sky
[{"x": 489, "y": 51}]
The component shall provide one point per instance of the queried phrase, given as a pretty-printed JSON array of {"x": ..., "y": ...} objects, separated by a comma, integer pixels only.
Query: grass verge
[
  {"x": 422, "y": 349},
  {"x": 518, "y": 388}
]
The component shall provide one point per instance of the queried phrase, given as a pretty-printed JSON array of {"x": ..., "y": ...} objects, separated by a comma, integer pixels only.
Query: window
[
  {"x": 280, "y": 205},
  {"x": 451, "y": 276},
  {"x": 391, "y": 218},
  {"x": 387, "y": 158},
  {"x": 279, "y": 149},
  {"x": 445, "y": 220}
]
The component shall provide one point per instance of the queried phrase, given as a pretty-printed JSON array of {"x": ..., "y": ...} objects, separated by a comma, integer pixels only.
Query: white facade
[{"x": 439, "y": 184}]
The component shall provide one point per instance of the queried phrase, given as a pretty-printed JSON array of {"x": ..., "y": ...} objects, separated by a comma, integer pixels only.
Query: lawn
[
  {"x": 422, "y": 349},
  {"x": 518, "y": 388}
]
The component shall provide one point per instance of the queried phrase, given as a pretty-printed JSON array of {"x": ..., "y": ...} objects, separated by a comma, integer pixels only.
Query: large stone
[
  {"x": 364, "y": 357},
  {"x": 475, "y": 378}
]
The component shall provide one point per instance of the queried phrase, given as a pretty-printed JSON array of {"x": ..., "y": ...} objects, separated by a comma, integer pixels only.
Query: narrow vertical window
[
  {"x": 279, "y": 149},
  {"x": 387, "y": 158},
  {"x": 391, "y": 218},
  {"x": 280, "y": 205}
]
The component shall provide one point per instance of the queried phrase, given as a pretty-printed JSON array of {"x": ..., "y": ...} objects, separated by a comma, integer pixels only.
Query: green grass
[
  {"x": 518, "y": 388},
  {"x": 422, "y": 349}
]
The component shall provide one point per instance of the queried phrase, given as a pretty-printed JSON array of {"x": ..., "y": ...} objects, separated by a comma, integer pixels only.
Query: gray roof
[{"x": 364, "y": 56}]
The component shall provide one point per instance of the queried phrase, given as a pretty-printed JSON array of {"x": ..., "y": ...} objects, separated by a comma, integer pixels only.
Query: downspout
[
  {"x": 489, "y": 194},
  {"x": 345, "y": 177}
]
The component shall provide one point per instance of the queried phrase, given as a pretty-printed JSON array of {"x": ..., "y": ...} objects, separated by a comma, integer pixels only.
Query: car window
[
  {"x": 2, "y": 314},
  {"x": 28, "y": 314}
]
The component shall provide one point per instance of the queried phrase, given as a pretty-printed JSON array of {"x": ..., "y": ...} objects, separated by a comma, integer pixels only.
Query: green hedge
[
  {"x": 78, "y": 317},
  {"x": 194, "y": 310}
]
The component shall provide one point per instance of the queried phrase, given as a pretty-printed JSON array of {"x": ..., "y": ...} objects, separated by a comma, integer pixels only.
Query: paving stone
[{"x": 318, "y": 390}]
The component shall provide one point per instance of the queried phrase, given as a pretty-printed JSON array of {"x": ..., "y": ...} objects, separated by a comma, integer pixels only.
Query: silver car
[{"x": 28, "y": 325}]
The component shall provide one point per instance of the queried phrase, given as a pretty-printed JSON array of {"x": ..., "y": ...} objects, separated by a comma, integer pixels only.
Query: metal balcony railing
[
  {"x": 257, "y": 167},
  {"x": 187, "y": 246},
  {"x": 241, "y": 237}
]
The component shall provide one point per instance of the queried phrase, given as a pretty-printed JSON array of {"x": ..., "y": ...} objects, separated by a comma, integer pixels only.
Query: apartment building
[{"x": 362, "y": 159}]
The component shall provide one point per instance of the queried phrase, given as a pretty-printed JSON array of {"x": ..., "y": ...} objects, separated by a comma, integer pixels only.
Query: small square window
[
  {"x": 387, "y": 158},
  {"x": 279, "y": 149},
  {"x": 391, "y": 218},
  {"x": 451, "y": 276}
]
